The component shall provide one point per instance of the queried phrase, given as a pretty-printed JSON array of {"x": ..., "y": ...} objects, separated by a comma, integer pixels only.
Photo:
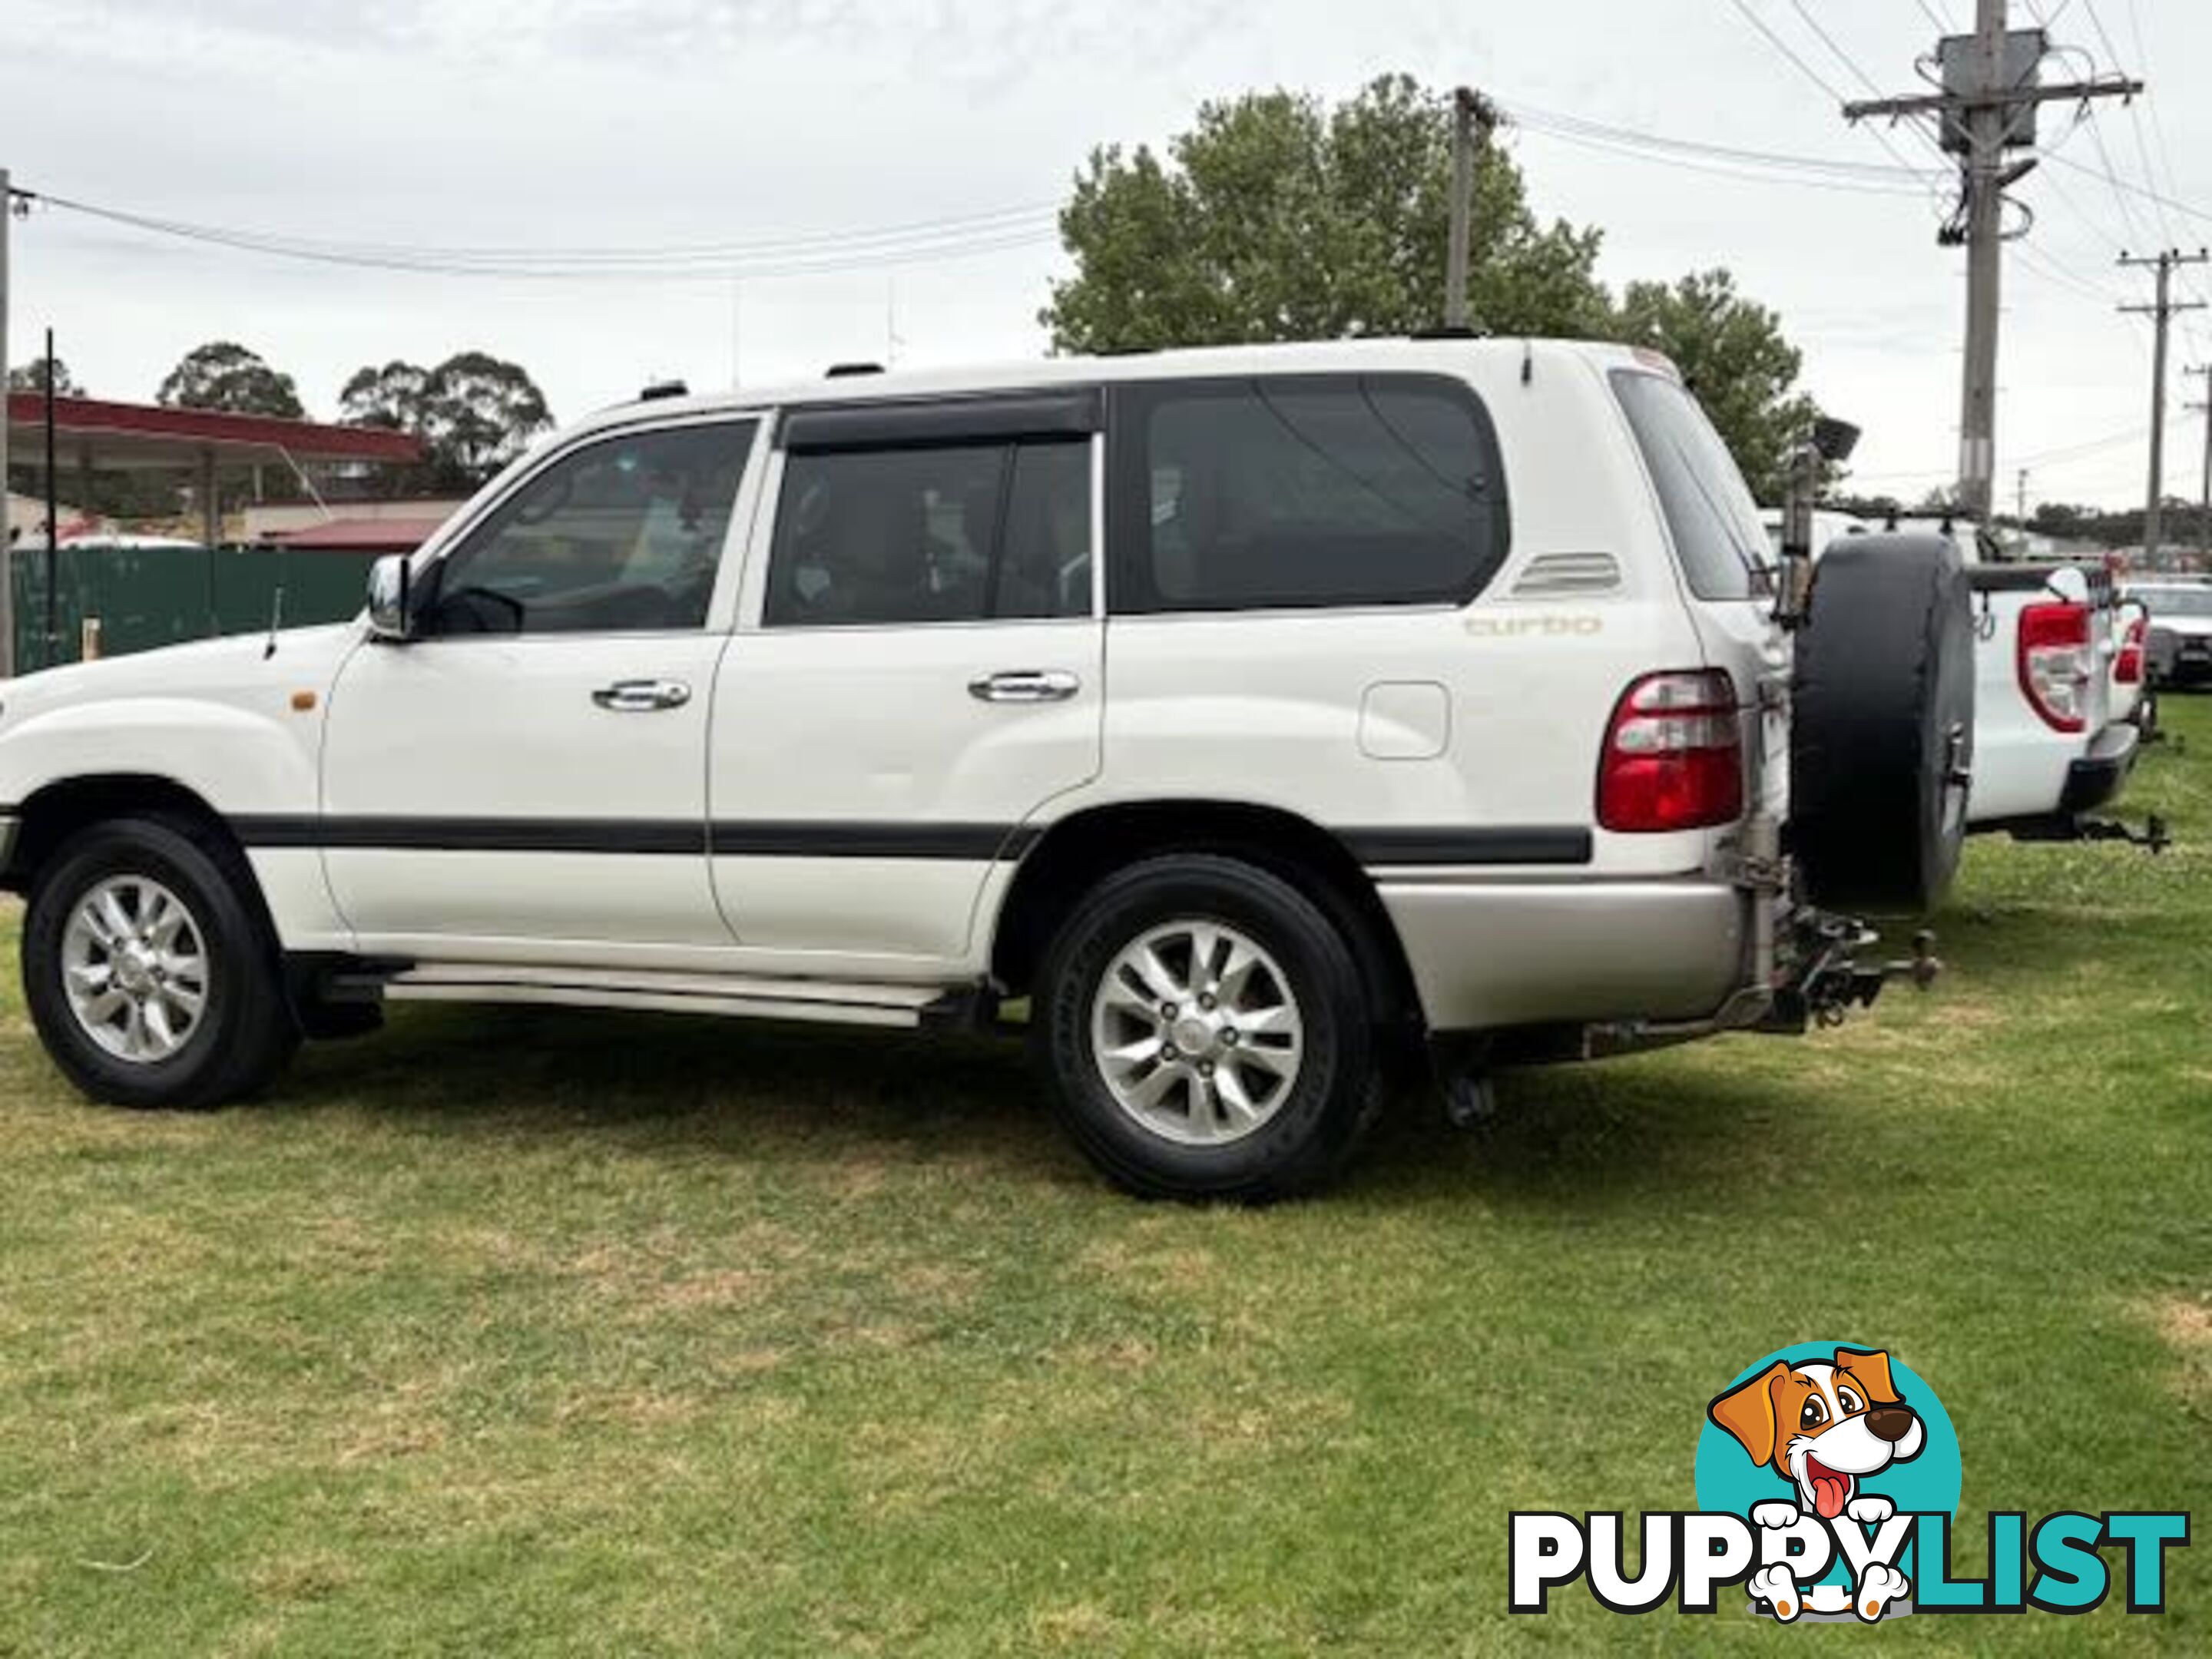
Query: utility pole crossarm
[{"x": 1945, "y": 103}]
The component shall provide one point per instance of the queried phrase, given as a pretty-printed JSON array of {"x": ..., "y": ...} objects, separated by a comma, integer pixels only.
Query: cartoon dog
[{"x": 1824, "y": 1428}]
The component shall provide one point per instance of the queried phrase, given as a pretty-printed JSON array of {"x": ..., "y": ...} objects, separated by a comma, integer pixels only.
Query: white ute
[
  {"x": 2054, "y": 735},
  {"x": 1255, "y": 712}
]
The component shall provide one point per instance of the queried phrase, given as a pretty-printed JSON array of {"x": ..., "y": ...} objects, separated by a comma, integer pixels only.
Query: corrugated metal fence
[{"x": 154, "y": 596}]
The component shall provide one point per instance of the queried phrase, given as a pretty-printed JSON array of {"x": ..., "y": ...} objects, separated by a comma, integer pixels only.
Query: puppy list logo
[{"x": 1828, "y": 1479}]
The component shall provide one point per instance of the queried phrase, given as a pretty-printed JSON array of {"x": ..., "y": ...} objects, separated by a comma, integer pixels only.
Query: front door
[
  {"x": 530, "y": 771},
  {"x": 923, "y": 673}
]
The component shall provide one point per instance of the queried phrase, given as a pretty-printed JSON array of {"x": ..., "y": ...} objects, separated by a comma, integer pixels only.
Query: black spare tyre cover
[{"x": 1882, "y": 725}]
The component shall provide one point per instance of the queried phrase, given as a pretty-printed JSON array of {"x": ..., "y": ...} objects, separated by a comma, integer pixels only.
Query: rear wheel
[
  {"x": 149, "y": 972},
  {"x": 1207, "y": 1032}
]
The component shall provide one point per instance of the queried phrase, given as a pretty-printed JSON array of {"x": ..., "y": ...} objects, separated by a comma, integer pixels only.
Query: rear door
[{"x": 921, "y": 672}]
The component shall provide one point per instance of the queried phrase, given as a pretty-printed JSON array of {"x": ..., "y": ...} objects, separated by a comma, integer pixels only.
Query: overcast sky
[{"x": 587, "y": 124}]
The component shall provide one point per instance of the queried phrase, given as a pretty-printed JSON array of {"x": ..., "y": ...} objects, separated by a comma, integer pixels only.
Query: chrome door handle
[
  {"x": 1025, "y": 685},
  {"x": 642, "y": 696}
]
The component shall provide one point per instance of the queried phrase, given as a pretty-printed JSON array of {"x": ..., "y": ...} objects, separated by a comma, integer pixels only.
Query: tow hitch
[
  {"x": 1835, "y": 981},
  {"x": 2153, "y": 837}
]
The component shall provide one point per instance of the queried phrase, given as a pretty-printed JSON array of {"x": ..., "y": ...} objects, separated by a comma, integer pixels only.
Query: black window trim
[
  {"x": 1129, "y": 490},
  {"x": 1074, "y": 412},
  {"x": 729, "y": 569}
]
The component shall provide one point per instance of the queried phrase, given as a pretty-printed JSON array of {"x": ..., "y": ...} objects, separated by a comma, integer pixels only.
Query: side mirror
[{"x": 389, "y": 617}]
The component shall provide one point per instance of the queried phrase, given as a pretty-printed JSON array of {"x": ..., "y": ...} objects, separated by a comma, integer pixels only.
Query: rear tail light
[
  {"x": 2130, "y": 669},
  {"x": 1672, "y": 755},
  {"x": 2054, "y": 663}
]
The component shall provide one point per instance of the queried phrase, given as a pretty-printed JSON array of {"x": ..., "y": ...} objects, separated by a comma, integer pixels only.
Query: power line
[
  {"x": 1752, "y": 173},
  {"x": 2041, "y": 460},
  {"x": 2126, "y": 188},
  {"x": 1751, "y": 16},
  {"x": 1556, "y": 123},
  {"x": 819, "y": 254},
  {"x": 798, "y": 243},
  {"x": 1829, "y": 40},
  {"x": 2166, "y": 156}
]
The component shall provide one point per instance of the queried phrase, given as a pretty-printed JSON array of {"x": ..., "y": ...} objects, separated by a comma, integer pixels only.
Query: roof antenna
[{"x": 276, "y": 619}]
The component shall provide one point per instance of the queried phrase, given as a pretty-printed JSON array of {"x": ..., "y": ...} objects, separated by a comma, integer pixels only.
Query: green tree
[
  {"x": 479, "y": 413},
  {"x": 1278, "y": 218},
  {"x": 474, "y": 412},
  {"x": 43, "y": 374},
  {"x": 395, "y": 396},
  {"x": 224, "y": 375},
  {"x": 1733, "y": 353}
]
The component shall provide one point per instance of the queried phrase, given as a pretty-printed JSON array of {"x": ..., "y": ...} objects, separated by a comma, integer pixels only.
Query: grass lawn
[{"x": 618, "y": 1335}]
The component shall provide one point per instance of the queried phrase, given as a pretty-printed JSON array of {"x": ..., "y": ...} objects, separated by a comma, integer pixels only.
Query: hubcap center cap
[
  {"x": 134, "y": 970},
  {"x": 1195, "y": 1035}
]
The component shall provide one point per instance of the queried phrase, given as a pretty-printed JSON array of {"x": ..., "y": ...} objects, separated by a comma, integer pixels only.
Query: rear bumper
[
  {"x": 1488, "y": 953},
  {"x": 2097, "y": 777},
  {"x": 2178, "y": 658}
]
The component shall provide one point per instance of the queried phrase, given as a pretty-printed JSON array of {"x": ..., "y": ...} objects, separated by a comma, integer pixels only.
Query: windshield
[
  {"x": 1718, "y": 538},
  {"x": 2175, "y": 601}
]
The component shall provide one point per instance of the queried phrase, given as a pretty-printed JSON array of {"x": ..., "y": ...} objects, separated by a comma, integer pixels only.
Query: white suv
[{"x": 1251, "y": 712}]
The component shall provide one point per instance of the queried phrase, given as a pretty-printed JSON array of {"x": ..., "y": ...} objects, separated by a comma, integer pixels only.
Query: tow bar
[
  {"x": 1836, "y": 982},
  {"x": 2153, "y": 837}
]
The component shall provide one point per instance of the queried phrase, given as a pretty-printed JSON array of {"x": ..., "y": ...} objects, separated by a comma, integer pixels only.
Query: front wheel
[
  {"x": 1207, "y": 1032},
  {"x": 149, "y": 972}
]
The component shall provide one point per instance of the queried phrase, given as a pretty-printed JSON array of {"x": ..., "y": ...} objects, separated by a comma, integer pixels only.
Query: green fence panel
[{"x": 147, "y": 597}]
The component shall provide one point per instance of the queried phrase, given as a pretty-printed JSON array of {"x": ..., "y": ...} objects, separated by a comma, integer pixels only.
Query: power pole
[
  {"x": 2162, "y": 310},
  {"x": 1991, "y": 88},
  {"x": 1474, "y": 117},
  {"x": 2020, "y": 507},
  {"x": 2204, "y": 493}
]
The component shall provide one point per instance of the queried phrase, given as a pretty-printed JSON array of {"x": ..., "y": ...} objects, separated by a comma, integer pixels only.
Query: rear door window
[
  {"x": 932, "y": 533},
  {"x": 1307, "y": 490},
  {"x": 1718, "y": 539}
]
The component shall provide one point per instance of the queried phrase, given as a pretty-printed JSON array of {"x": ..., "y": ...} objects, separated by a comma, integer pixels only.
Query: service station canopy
[{"x": 92, "y": 435}]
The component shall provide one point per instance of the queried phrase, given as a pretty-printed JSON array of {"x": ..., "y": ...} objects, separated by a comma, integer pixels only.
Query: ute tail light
[
  {"x": 2054, "y": 663},
  {"x": 2128, "y": 670},
  {"x": 1672, "y": 755}
]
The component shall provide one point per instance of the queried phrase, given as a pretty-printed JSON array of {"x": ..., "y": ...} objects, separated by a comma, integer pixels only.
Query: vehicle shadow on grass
[
  {"x": 1616, "y": 1134},
  {"x": 1587, "y": 1137},
  {"x": 740, "y": 1088}
]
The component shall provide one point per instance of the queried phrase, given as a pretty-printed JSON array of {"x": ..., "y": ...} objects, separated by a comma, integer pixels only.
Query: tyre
[
  {"x": 149, "y": 971},
  {"x": 1207, "y": 1033},
  {"x": 1882, "y": 725}
]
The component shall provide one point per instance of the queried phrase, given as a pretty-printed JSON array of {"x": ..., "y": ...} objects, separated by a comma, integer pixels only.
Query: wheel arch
[
  {"x": 1074, "y": 853},
  {"x": 51, "y": 813}
]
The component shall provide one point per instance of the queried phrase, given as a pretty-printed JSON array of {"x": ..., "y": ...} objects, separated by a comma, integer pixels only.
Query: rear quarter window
[
  {"x": 1721, "y": 545},
  {"x": 1305, "y": 491}
]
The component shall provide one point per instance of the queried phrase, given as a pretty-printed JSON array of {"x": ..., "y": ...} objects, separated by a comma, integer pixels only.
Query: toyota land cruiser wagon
[{"x": 1254, "y": 714}]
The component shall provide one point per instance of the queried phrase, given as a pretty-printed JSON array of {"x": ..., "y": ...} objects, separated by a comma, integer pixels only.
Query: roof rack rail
[
  {"x": 1449, "y": 331},
  {"x": 846, "y": 371},
  {"x": 655, "y": 391}
]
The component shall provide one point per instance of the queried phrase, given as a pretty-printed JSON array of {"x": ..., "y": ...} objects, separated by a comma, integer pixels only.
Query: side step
[{"x": 830, "y": 1001}]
